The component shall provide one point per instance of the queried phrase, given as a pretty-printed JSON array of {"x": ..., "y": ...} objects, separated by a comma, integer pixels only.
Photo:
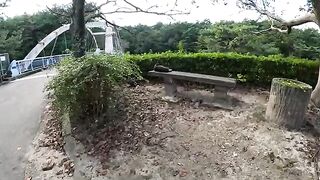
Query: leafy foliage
[
  {"x": 247, "y": 37},
  {"x": 226, "y": 36},
  {"x": 257, "y": 70},
  {"x": 20, "y": 34},
  {"x": 86, "y": 87},
  {"x": 161, "y": 37}
]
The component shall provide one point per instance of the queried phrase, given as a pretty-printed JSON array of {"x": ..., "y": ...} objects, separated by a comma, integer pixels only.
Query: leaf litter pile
[
  {"x": 148, "y": 138},
  {"x": 47, "y": 158}
]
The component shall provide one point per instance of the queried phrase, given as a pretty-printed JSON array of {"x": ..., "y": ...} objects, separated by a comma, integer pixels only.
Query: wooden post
[{"x": 288, "y": 102}]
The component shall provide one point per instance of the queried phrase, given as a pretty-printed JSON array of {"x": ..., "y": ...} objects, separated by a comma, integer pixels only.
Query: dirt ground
[
  {"x": 47, "y": 159},
  {"x": 157, "y": 140}
]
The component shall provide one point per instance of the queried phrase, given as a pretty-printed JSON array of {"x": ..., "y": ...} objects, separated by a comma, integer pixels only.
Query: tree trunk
[
  {"x": 315, "y": 96},
  {"x": 78, "y": 28},
  {"x": 288, "y": 102}
]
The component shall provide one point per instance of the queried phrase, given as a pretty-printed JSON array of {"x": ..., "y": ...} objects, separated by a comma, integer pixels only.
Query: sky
[{"x": 203, "y": 9}]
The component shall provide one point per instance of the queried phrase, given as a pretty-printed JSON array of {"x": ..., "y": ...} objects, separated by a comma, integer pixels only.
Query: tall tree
[
  {"x": 245, "y": 37},
  {"x": 282, "y": 25}
]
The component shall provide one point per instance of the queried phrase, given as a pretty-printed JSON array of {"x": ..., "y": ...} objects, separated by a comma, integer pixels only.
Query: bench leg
[
  {"x": 170, "y": 87},
  {"x": 221, "y": 92}
]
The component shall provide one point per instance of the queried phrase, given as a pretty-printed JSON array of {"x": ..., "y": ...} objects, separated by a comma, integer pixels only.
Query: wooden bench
[{"x": 222, "y": 84}]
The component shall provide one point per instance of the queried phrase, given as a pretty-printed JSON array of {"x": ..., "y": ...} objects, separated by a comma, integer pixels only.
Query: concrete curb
[
  {"x": 4, "y": 83},
  {"x": 26, "y": 74},
  {"x": 72, "y": 148},
  {"x": 66, "y": 125},
  {"x": 20, "y": 76}
]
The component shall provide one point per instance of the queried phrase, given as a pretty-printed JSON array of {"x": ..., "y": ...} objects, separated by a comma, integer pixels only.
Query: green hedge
[{"x": 246, "y": 68}]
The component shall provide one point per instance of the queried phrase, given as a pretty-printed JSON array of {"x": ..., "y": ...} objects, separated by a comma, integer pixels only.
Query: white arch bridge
[{"x": 32, "y": 62}]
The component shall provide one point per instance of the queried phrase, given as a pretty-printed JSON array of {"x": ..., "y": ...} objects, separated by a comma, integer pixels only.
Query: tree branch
[
  {"x": 132, "y": 8},
  {"x": 58, "y": 13},
  {"x": 113, "y": 24},
  {"x": 310, "y": 17},
  {"x": 167, "y": 13},
  {"x": 262, "y": 31},
  {"x": 4, "y": 3},
  {"x": 301, "y": 20},
  {"x": 100, "y": 6}
]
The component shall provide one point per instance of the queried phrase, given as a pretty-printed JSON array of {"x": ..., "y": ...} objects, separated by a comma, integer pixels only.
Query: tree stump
[{"x": 288, "y": 102}]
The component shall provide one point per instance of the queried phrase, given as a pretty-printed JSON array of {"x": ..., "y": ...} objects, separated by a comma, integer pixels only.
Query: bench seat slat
[{"x": 202, "y": 78}]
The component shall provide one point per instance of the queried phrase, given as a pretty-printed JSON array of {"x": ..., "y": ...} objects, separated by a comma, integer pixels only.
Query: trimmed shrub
[
  {"x": 86, "y": 87},
  {"x": 254, "y": 70}
]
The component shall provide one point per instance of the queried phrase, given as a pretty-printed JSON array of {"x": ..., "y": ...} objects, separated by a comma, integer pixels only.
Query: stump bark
[{"x": 288, "y": 102}]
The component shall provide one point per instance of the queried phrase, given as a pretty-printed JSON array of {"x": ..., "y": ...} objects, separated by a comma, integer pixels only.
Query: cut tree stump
[{"x": 288, "y": 102}]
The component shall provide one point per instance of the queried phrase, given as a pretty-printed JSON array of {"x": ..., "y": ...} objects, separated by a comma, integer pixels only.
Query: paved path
[{"x": 21, "y": 105}]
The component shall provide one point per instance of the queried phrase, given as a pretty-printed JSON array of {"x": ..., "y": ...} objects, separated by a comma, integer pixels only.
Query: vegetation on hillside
[{"x": 20, "y": 34}]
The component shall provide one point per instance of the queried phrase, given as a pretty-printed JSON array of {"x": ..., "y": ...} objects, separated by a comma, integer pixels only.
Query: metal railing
[{"x": 27, "y": 65}]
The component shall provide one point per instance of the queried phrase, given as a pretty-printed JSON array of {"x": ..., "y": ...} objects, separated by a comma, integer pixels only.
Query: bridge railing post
[
  {"x": 42, "y": 63},
  {"x": 31, "y": 65},
  {"x": 19, "y": 67}
]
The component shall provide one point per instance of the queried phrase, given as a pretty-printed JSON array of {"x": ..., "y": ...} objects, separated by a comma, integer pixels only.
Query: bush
[
  {"x": 246, "y": 68},
  {"x": 86, "y": 87}
]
